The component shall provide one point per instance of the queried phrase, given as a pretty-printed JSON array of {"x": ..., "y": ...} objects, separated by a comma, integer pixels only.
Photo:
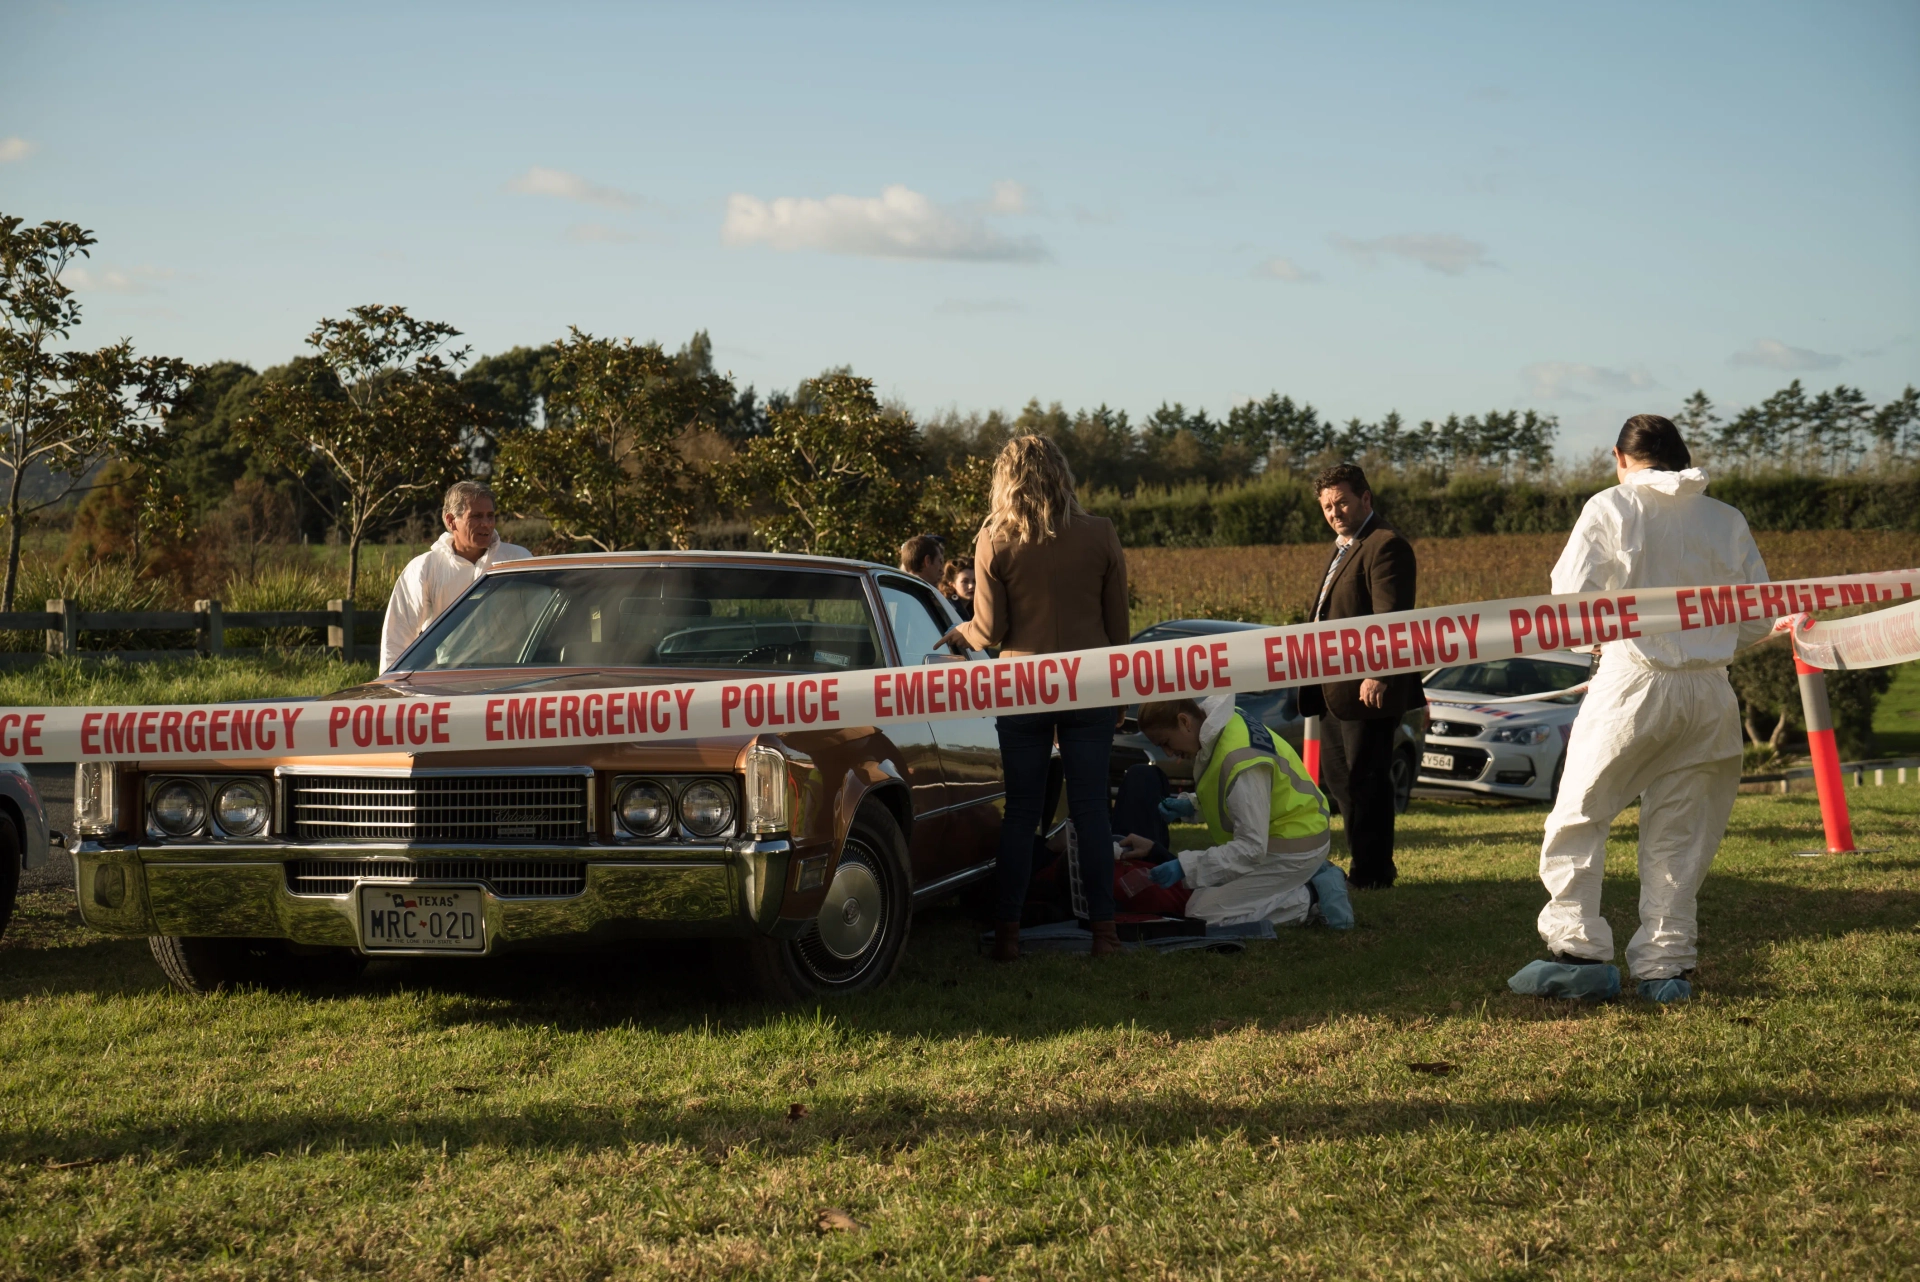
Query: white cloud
[
  {"x": 1771, "y": 353},
  {"x": 540, "y": 181},
  {"x": 1285, "y": 269},
  {"x": 115, "y": 280},
  {"x": 898, "y": 223},
  {"x": 1450, "y": 255},
  {"x": 600, "y": 234},
  {"x": 1010, "y": 197},
  {"x": 1568, "y": 380},
  {"x": 14, "y": 148}
]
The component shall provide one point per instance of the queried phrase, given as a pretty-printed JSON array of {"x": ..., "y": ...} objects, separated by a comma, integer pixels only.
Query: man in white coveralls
[
  {"x": 437, "y": 577},
  {"x": 1660, "y": 723}
]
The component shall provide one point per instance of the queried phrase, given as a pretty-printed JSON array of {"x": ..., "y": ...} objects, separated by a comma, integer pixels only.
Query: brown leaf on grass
[
  {"x": 75, "y": 1164},
  {"x": 1435, "y": 1068},
  {"x": 835, "y": 1220},
  {"x": 796, "y": 1111}
]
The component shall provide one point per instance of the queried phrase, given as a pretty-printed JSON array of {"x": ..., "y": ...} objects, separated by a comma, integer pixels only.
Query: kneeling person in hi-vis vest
[{"x": 1265, "y": 818}]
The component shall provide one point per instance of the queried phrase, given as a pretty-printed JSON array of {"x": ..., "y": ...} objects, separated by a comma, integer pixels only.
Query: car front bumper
[
  {"x": 1497, "y": 770},
  {"x": 745, "y": 888}
]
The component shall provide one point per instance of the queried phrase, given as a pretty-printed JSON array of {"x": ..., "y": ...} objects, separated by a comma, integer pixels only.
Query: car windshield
[
  {"x": 665, "y": 616},
  {"x": 1500, "y": 678}
]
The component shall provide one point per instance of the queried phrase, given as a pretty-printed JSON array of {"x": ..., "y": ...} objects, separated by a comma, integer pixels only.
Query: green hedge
[{"x": 1284, "y": 511}]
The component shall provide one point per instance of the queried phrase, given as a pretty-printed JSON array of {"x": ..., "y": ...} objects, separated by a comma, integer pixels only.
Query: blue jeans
[{"x": 1026, "y": 744}]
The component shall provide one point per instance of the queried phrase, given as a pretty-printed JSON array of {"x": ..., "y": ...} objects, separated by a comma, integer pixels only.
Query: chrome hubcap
[{"x": 852, "y": 912}]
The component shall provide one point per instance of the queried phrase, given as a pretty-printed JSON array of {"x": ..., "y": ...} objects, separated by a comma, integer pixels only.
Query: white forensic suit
[
  {"x": 431, "y": 582},
  {"x": 1253, "y": 875},
  {"x": 1660, "y": 722}
]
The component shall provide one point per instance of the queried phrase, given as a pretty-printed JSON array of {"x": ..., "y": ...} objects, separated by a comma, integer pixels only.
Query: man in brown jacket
[{"x": 1372, "y": 572}]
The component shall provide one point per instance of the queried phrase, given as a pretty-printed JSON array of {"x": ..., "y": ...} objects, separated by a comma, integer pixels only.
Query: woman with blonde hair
[{"x": 1048, "y": 577}]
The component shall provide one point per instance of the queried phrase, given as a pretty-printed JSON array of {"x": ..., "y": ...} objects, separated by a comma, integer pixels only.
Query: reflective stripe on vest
[{"x": 1297, "y": 819}]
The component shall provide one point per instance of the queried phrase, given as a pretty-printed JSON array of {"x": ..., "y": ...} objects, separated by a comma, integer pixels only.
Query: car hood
[
  {"x": 1484, "y": 714},
  {"x": 533, "y": 680}
]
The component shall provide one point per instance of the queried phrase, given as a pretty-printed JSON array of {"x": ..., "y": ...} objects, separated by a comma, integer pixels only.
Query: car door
[{"x": 969, "y": 746}]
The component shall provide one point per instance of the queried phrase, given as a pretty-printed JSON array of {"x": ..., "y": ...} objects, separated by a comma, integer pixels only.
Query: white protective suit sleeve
[{"x": 1249, "y": 807}]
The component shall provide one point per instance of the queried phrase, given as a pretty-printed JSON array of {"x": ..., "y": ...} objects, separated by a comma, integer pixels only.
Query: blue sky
[{"x": 1590, "y": 210}]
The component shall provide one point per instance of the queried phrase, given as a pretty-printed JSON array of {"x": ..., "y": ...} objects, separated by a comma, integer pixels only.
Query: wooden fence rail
[{"x": 64, "y": 621}]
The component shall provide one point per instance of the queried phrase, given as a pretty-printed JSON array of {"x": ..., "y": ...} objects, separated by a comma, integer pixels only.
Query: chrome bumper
[{"x": 740, "y": 889}]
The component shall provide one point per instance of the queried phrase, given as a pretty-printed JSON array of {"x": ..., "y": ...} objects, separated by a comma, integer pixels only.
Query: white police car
[{"x": 1484, "y": 733}]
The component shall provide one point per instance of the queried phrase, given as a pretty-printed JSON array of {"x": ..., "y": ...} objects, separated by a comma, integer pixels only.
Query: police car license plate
[
  {"x": 422, "y": 919},
  {"x": 1436, "y": 761}
]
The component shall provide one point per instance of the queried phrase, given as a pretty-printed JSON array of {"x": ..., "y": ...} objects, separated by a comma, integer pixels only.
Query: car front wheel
[
  {"x": 857, "y": 939},
  {"x": 201, "y": 966}
]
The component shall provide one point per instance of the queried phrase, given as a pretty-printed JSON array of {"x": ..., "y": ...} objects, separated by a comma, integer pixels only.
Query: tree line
[{"x": 619, "y": 444}]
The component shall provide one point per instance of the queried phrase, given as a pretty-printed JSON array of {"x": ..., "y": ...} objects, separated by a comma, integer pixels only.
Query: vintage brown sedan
[{"x": 802, "y": 852}]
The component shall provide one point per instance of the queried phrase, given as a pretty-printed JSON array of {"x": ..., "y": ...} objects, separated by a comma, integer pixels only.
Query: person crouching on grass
[{"x": 1265, "y": 818}]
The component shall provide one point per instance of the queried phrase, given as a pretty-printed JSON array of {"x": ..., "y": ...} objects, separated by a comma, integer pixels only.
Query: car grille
[
  {"x": 495, "y": 808},
  {"x": 1455, "y": 729},
  {"x": 1467, "y": 764},
  {"x": 509, "y": 878}
]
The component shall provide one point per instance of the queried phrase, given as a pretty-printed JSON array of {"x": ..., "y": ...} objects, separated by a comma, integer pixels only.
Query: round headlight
[
  {"x": 706, "y": 809},
  {"x": 242, "y": 808},
  {"x": 178, "y": 809},
  {"x": 645, "y": 809}
]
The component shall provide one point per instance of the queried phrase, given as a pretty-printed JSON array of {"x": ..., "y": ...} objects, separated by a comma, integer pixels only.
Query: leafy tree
[
  {"x": 374, "y": 421},
  {"x": 65, "y": 411},
  {"x": 606, "y": 467},
  {"x": 1764, "y": 679},
  {"x": 831, "y": 475}
]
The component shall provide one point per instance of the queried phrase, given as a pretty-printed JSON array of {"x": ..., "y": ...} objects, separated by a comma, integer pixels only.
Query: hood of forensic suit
[{"x": 1677, "y": 485}]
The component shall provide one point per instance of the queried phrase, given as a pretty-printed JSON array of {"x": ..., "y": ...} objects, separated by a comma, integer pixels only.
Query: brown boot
[
  {"x": 1006, "y": 941},
  {"x": 1105, "y": 939}
]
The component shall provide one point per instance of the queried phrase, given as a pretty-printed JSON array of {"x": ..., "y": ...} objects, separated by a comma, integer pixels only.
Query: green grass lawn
[
  {"x": 1896, "y": 719},
  {"x": 1373, "y": 1104}
]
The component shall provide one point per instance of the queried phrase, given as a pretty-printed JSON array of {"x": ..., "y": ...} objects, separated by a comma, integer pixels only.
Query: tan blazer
[{"x": 1069, "y": 593}]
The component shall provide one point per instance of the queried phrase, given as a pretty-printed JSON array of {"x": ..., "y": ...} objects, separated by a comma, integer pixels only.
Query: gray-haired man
[{"x": 437, "y": 577}]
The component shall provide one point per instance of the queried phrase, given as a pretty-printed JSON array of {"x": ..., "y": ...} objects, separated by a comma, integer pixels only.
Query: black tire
[
  {"x": 1401, "y": 773},
  {"x": 9, "y": 870},
  {"x": 1559, "y": 768},
  {"x": 857, "y": 941},
  {"x": 203, "y": 966}
]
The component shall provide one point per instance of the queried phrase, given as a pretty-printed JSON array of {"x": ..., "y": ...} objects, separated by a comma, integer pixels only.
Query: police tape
[
  {"x": 1876, "y": 640},
  {"x": 1379, "y": 645}
]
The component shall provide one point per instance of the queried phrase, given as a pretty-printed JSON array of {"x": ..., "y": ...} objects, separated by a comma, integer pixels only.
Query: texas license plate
[
  {"x": 1436, "y": 761},
  {"x": 422, "y": 919}
]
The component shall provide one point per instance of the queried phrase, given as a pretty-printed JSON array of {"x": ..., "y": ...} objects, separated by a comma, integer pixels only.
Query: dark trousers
[
  {"x": 1356, "y": 769},
  {"x": 1026, "y": 745}
]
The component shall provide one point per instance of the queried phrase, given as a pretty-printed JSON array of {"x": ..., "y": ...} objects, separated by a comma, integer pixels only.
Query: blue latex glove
[
  {"x": 1330, "y": 886},
  {"x": 1594, "y": 983},
  {"x": 1169, "y": 873},
  {"x": 1178, "y": 808},
  {"x": 1666, "y": 991}
]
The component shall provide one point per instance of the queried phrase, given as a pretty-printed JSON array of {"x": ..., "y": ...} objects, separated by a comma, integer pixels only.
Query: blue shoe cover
[
  {"x": 1330, "y": 884},
  {"x": 1593, "y": 983},
  {"x": 1666, "y": 991}
]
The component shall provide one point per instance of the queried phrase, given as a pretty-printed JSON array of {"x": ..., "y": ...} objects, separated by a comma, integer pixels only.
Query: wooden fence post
[
  {"x": 213, "y": 629},
  {"x": 66, "y": 638},
  {"x": 340, "y": 635}
]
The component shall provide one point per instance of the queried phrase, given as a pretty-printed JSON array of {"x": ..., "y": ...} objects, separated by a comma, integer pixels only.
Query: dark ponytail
[{"x": 1649, "y": 438}]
